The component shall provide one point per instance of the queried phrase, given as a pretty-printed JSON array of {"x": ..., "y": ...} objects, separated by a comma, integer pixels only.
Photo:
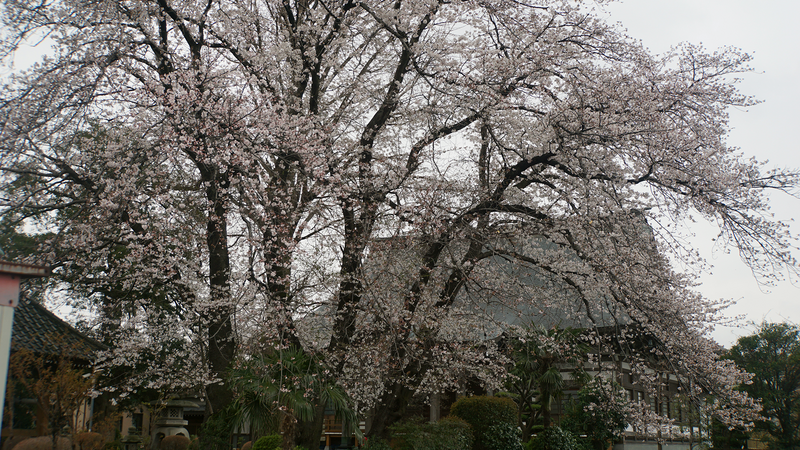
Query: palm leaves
[
  {"x": 278, "y": 388},
  {"x": 540, "y": 358}
]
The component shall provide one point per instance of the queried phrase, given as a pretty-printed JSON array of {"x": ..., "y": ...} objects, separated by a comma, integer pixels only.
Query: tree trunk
[
  {"x": 221, "y": 347},
  {"x": 288, "y": 428},
  {"x": 309, "y": 432},
  {"x": 389, "y": 410},
  {"x": 546, "y": 421}
]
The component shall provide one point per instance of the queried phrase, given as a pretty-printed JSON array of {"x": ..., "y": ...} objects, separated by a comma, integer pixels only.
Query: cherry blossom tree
[{"x": 386, "y": 183}]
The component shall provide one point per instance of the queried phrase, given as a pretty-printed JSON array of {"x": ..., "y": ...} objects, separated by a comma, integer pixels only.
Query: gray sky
[{"x": 767, "y": 30}]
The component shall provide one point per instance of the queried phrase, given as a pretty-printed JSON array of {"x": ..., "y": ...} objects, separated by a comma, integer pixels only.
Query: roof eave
[{"x": 24, "y": 270}]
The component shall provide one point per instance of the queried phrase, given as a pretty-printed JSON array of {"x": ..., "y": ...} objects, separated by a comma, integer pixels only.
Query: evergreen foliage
[
  {"x": 376, "y": 443},
  {"x": 282, "y": 386},
  {"x": 536, "y": 380},
  {"x": 484, "y": 412},
  {"x": 502, "y": 436},
  {"x": 553, "y": 438},
  {"x": 215, "y": 434},
  {"x": 450, "y": 433},
  {"x": 269, "y": 442},
  {"x": 724, "y": 437},
  {"x": 772, "y": 355}
]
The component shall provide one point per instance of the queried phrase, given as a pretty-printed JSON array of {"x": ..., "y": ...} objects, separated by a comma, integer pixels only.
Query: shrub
[
  {"x": 113, "y": 445},
  {"x": 454, "y": 434},
  {"x": 376, "y": 443},
  {"x": 174, "y": 443},
  {"x": 269, "y": 442},
  {"x": 450, "y": 433},
  {"x": 723, "y": 436},
  {"x": 215, "y": 434},
  {"x": 43, "y": 443},
  {"x": 502, "y": 436},
  {"x": 553, "y": 438},
  {"x": 88, "y": 440},
  {"x": 484, "y": 412}
]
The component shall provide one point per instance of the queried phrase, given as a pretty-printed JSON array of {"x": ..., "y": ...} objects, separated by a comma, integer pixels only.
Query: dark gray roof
[{"x": 38, "y": 330}]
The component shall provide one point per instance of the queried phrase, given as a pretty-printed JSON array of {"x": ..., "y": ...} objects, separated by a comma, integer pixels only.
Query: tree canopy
[
  {"x": 772, "y": 355},
  {"x": 357, "y": 177}
]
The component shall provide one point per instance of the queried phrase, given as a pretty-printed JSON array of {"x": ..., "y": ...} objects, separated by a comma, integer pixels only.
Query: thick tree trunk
[
  {"x": 350, "y": 287},
  {"x": 288, "y": 429},
  {"x": 221, "y": 346},
  {"x": 390, "y": 409},
  {"x": 310, "y": 432},
  {"x": 220, "y": 354}
]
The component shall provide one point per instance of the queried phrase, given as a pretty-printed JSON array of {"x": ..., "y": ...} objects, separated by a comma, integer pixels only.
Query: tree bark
[
  {"x": 221, "y": 346},
  {"x": 309, "y": 432},
  {"x": 389, "y": 410}
]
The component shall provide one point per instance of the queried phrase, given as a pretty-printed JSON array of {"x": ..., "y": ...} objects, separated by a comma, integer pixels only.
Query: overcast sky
[{"x": 768, "y": 30}]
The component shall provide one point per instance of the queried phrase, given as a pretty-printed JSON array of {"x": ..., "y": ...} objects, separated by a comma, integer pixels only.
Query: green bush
[
  {"x": 376, "y": 443},
  {"x": 269, "y": 442},
  {"x": 454, "y": 434},
  {"x": 215, "y": 433},
  {"x": 484, "y": 412},
  {"x": 502, "y": 436},
  {"x": 553, "y": 438},
  {"x": 450, "y": 433}
]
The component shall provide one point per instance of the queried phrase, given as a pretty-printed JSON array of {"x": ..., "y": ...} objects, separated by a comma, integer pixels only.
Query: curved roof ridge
[{"x": 41, "y": 331}]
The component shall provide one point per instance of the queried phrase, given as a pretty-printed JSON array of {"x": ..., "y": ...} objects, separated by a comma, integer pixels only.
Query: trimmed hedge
[
  {"x": 483, "y": 413},
  {"x": 554, "y": 438},
  {"x": 269, "y": 442},
  {"x": 450, "y": 433},
  {"x": 455, "y": 433},
  {"x": 502, "y": 436},
  {"x": 376, "y": 443}
]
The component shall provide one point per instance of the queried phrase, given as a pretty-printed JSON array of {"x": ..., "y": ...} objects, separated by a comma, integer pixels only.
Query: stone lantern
[
  {"x": 170, "y": 421},
  {"x": 132, "y": 441}
]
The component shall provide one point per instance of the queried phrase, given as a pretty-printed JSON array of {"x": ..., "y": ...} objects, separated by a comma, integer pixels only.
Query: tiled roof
[{"x": 40, "y": 331}]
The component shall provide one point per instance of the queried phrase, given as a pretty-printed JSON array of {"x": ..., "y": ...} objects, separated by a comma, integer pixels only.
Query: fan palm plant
[
  {"x": 275, "y": 390},
  {"x": 540, "y": 355}
]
